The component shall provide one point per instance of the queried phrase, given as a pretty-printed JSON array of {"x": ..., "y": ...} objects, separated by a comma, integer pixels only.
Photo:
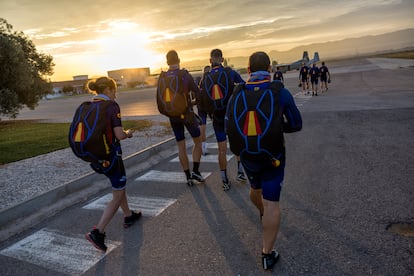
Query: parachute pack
[
  {"x": 254, "y": 124},
  {"x": 171, "y": 99},
  {"x": 90, "y": 136},
  {"x": 216, "y": 90}
]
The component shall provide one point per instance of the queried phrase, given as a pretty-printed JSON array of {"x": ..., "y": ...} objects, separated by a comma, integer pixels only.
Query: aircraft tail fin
[
  {"x": 305, "y": 56},
  {"x": 316, "y": 57}
]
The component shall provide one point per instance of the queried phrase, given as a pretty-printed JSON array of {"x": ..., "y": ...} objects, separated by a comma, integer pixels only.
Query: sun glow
[
  {"x": 109, "y": 46},
  {"x": 126, "y": 49}
]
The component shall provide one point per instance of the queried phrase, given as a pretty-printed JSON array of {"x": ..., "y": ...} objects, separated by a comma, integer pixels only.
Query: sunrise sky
[{"x": 91, "y": 37}]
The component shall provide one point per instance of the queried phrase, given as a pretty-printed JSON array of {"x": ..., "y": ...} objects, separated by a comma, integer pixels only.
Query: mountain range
[{"x": 350, "y": 47}]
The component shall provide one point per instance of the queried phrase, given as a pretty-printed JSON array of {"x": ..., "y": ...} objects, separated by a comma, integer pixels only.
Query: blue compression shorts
[
  {"x": 218, "y": 126},
  {"x": 270, "y": 179},
  {"x": 178, "y": 128},
  {"x": 117, "y": 175}
]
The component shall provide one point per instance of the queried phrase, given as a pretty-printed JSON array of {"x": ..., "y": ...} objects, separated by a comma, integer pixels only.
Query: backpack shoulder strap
[{"x": 239, "y": 87}]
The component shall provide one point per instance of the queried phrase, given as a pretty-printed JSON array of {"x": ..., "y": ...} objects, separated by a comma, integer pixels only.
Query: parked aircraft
[{"x": 297, "y": 64}]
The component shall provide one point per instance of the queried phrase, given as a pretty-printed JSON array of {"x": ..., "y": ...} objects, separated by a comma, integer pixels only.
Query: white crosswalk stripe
[
  {"x": 209, "y": 158},
  {"x": 149, "y": 206},
  {"x": 53, "y": 251},
  {"x": 170, "y": 177},
  {"x": 214, "y": 145}
]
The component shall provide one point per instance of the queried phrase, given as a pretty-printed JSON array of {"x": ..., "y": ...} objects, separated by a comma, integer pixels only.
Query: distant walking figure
[
  {"x": 314, "y": 77},
  {"x": 278, "y": 75},
  {"x": 325, "y": 77},
  {"x": 304, "y": 78}
]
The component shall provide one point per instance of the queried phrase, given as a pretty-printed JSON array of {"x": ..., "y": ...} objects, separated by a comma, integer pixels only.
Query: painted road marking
[
  {"x": 50, "y": 249},
  {"x": 149, "y": 206},
  {"x": 170, "y": 177},
  {"x": 209, "y": 158},
  {"x": 300, "y": 95},
  {"x": 214, "y": 146}
]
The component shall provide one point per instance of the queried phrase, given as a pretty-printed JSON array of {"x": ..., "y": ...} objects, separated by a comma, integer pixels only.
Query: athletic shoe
[
  {"x": 128, "y": 221},
  {"x": 190, "y": 182},
  {"x": 269, "y": 260},
  {"x": 226, "y": 185},
  {"x": 316, "y": 94},
  {"x": 241, "y": 177},
  {"x": 97, "y": 239},
  {"x": 197, "y": 176}
]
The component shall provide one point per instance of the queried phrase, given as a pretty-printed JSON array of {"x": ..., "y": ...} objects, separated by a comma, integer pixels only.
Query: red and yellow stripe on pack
[
  {"x": 79, "y": 134},
  {"x": 216, "y": 93},
  {"x": 167, "y": 95},
  {"x": 251, "y": 124}
]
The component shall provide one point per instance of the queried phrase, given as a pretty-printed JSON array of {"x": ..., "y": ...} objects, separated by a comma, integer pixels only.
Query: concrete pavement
[{"x": 348, "y": 178}]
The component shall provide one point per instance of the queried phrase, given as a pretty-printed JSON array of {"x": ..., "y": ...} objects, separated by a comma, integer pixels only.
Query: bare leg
[
  {"x": 111, "y": 208},
  {"x": 203, "y": 133},
  {"x": 271, "y": 224},
  {"x": 197, "y": 150},
  {"x": 256, "y": 198},
  {"x": 203, "y": 139},
  {"x": 182, "y": 155},
  {"x": 222, "y": 152},
  {"x": 125, "y": 206}
]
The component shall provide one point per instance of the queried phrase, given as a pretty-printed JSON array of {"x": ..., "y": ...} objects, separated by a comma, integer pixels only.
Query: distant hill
[{"x": 350, "y": 47}]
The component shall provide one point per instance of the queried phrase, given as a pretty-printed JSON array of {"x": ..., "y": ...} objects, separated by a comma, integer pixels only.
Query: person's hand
[{"x": 129, "y": 132}]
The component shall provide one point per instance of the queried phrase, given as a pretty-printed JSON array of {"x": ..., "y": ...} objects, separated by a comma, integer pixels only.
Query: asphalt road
[
  {"x": 134, "y": 103},
  {"x": 349, "y": 177}
]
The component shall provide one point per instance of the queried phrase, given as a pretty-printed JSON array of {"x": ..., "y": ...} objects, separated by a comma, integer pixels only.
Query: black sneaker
[
  {"x": 190, "y": 182},
  {"x": 269, "y": 260},
  {"x": 197, "y": 176},
  {"x": 128, "y": 221},
  {"x": 226, "y": 185},
  {"x": 97, "y": 239}
]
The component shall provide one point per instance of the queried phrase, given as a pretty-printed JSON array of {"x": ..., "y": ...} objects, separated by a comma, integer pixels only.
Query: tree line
[{"x": 23, "y": 71}]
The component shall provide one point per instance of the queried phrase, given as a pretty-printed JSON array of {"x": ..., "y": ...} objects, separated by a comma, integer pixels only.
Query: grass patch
[{"x": 24, "y": 139}]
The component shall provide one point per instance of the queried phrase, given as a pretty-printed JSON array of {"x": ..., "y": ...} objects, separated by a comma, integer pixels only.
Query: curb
[{"x": 25, "y": 215}]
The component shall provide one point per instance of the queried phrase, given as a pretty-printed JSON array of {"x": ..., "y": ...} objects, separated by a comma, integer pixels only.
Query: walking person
[
  {"x": 278, "y": 75},
  {"x": 325, "y": 77},
  {"x": 314, "y": 77},
  {"x": 217, "y": 86},
  {"x": 105, "y": 89},
  {"x": 255, "y": 123},
  {"x": 304, "y": 78},
  {"x": 174, "y": 101}
]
